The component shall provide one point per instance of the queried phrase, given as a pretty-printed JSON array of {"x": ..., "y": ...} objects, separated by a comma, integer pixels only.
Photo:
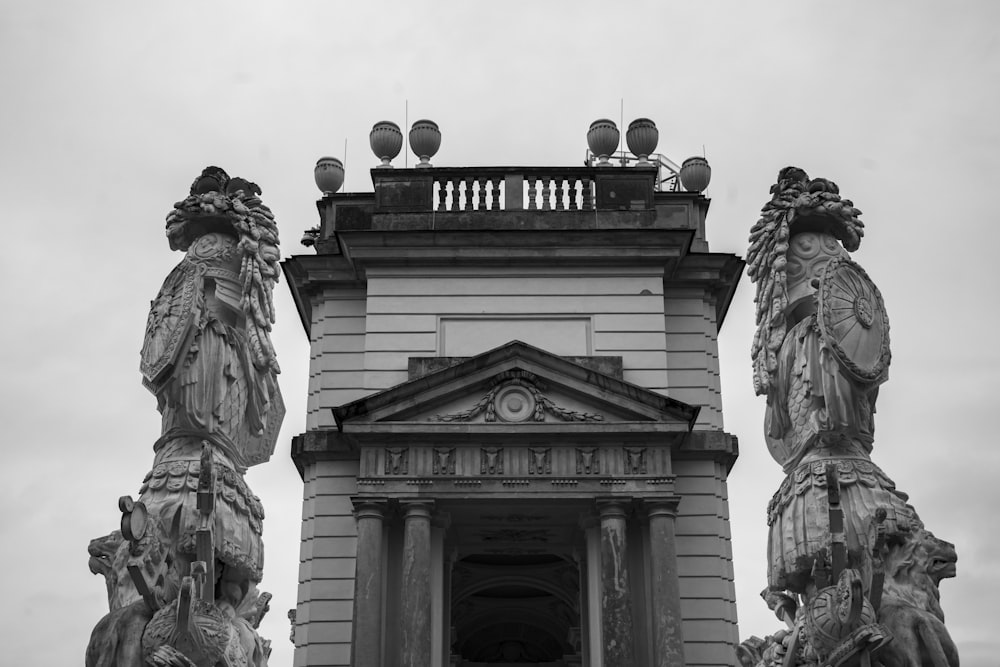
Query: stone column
[
  {"x": 416, "y": 585},
  {"x": 616, "y": 609},
  {"x": 665, "y": 593},
  {"x": 367, "y": 629}
]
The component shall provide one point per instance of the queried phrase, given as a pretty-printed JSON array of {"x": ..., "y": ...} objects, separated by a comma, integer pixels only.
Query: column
[
  {"x": 416, "y": 591},
  {"x": 665, "y": 593},
  {"x": 367, "y": 629},
  {"x": 616, "y": 610}
]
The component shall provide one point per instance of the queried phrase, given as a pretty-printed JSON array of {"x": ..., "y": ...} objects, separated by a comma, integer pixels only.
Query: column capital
[
  {"x": 614, "y": 507},
  {"x": 665, "y": 506},
  {"x": 369, "y": 508},
  {"x": 416, "y": 507}
]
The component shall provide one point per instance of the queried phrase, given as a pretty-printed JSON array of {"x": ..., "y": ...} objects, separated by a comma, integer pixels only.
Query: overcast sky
[{"x": 110, "y": 109}]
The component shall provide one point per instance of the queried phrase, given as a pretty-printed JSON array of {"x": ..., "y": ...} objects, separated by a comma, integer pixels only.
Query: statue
[
  {"x": 837, "y": 523},
  {"x": 182, "y": 572}
]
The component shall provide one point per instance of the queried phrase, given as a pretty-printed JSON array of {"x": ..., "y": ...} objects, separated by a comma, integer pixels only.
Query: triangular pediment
[{"x": 515, "y": 386}]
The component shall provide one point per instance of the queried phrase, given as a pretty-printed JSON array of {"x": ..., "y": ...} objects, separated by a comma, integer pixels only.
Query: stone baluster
[
  {"x": 532, "y": 194},
  {"x": 367, "y": 628},
  {"x": 664, "y": 589},
  {"x": 587, "y": 197},
  {"x": 455, "y": 203},
  {"x": 573, "y": 193},
  {"x": 469, "y": 194},
  {"x": 616, "y": 605},
  {"x": 415, "y": 597},
  {"x": 546, "y": 194},
  {"x": 482, "y": 194},
  {"x": 495, "y": 193},
  {"x": 560, "y": 205},
  {"x": 442, "y": 194}
]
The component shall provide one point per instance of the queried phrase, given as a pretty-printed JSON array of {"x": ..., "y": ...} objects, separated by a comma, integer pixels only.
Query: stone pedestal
[
  {"x": 416, "y": 585},
  {"x": 367, "y": 629},
  {"x": 616, "y": 609},
  {"x": 664, "y": 588}
]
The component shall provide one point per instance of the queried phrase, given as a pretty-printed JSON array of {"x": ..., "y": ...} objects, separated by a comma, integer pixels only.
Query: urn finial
[
  {"x": 425, "y": 140},
  {"x": 386, "y": 140}
]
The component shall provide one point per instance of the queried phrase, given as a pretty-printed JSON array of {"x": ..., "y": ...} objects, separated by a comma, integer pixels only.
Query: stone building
[{"x": 514, "y": 450}]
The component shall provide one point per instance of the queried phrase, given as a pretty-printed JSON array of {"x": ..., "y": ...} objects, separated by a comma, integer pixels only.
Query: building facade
[{"x": 514, "y": 450}]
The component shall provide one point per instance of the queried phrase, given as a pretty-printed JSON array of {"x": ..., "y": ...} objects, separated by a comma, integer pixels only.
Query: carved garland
[{"x": 503, "y": 382}]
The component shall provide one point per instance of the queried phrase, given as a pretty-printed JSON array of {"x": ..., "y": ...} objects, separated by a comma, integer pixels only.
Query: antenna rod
[{"x": 621, "y": 124}]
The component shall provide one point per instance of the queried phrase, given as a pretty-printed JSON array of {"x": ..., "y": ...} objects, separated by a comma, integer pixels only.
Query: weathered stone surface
[
  {"x": 616, "y": 605},
  {"x": 182, "y": 577},
  {"x": 415, "y": 650},
  {"x": 850, "y": 565},
  {"x": 668, "y": 637}
]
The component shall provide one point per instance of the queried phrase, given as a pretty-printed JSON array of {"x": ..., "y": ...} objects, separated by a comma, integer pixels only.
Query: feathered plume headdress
[
  {"x": 233, "y": 203},
  {"x": 797, "y": 204}
]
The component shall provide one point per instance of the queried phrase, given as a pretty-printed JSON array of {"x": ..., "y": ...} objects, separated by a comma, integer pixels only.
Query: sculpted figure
[
  {"x": 910, "y": 605},
  {"x": 851, "y": 570},
  {"x": 820, "y": 353},
  {"x": 208, "y": 359}
]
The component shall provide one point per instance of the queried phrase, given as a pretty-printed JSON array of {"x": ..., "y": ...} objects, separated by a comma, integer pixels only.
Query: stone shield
[{"x": 853, "y": 321}]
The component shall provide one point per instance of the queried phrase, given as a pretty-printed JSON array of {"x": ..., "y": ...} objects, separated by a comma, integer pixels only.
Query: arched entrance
[{"x": 515, "y": 609}]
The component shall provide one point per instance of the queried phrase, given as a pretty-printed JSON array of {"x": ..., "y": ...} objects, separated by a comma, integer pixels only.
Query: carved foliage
[{"x": 517, "y": 396}]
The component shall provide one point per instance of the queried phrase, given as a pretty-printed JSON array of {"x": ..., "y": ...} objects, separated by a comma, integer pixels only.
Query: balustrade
[{"x": 499, "y": 189}]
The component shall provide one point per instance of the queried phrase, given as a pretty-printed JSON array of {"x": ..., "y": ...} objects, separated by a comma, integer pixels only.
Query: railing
[
  {"x": 667, "y": 171},
  {"x": 514, "y": 189}
]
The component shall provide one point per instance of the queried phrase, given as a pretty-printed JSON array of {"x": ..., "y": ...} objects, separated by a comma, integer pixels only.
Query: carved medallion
[
  {"x": 515, "y": 403},
  {"x": 853, "y": 321}
]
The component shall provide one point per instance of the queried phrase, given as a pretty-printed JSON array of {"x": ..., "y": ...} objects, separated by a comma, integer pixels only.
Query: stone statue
[
  {"x": 820, "y": 354},
  {"x": 182, "y": 573}
]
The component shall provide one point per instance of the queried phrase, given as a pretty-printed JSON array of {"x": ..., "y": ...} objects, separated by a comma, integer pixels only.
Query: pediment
[{"x": 514, "y": 387}]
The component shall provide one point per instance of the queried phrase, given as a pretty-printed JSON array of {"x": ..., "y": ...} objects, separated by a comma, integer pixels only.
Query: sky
[{"x": 110, "y": 109}]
